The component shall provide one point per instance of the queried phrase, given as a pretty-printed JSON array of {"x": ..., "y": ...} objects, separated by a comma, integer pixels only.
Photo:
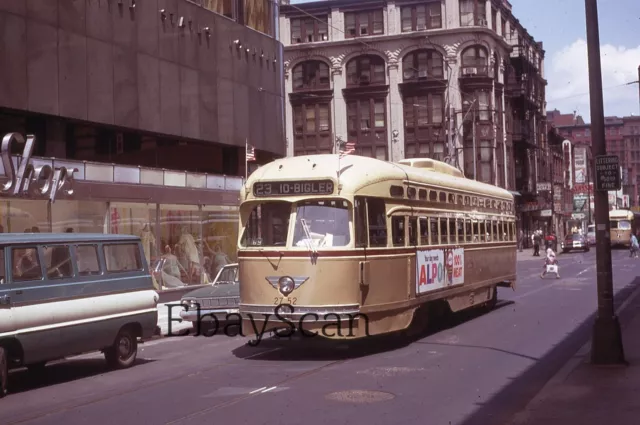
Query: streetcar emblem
[{"x": 286, "y": 284}]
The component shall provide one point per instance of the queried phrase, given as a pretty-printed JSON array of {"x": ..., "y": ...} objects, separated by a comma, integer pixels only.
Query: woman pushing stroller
[{"x": 550, "y": 264}]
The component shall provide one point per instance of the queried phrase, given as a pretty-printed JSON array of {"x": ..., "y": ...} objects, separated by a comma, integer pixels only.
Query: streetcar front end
[{"x": 299, "y": 271}]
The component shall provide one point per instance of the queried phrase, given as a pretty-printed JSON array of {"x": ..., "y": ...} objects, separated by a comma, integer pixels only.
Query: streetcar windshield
[
  {"x": 267, "y": 225},
  {"x": 622, "y": 225},
  {"x": 322, "y": 224}
]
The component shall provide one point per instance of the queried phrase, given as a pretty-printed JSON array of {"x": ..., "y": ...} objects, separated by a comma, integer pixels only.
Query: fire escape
[{"x": 525, "y": 87}]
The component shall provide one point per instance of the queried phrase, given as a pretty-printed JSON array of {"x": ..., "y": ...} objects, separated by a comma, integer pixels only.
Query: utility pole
[{"x": 606, "y": 345}]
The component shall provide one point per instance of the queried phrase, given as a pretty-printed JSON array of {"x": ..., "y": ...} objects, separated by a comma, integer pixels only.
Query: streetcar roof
[
  {"x": 623, "y": 214},
  {"x": 359, "y": 172}
]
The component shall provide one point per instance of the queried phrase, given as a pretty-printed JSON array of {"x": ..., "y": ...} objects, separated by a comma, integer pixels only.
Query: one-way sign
[{"x": 607, "y": 173}]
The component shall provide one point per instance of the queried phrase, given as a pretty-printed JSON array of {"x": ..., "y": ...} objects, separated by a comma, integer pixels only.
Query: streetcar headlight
[{"x": 287, "y": 285}]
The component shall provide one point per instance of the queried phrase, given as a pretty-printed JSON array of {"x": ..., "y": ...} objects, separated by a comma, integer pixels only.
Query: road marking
[
  {"x": 268, "y": 389},
  {"x": 259, "y": 389}
]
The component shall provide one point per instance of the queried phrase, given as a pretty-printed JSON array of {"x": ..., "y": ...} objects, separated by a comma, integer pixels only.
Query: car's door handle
[{"x": 5, "y": 300}]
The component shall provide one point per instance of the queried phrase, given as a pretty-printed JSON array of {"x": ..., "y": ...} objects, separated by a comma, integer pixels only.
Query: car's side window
[{"x": 25, "y": 264}]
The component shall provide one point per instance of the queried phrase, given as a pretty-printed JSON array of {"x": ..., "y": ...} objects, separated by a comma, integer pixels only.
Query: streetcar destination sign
[
  {"x": 607, "y": 173},
  {"x": 318, "y": 187}
]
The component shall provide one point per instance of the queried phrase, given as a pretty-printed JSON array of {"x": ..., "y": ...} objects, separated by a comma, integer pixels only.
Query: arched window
[
  {"x": 311, "y": 75},
  {"x": 475, "y": 61},
  {"x": 422, "y": 64},
  {"x": 366, "y": 69}
]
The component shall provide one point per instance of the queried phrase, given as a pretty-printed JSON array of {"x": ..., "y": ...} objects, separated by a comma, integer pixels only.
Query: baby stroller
[{"x": 550, "y": 264}]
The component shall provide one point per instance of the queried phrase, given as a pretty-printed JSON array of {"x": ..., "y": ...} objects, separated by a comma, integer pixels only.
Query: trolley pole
[{"x": 606, "y": 346}]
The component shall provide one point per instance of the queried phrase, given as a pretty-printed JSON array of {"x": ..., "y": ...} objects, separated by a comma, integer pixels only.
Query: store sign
[
  {"x": 545, "y": 213},
  {"x": 582, "y": 188},
  {"x": 544, "y": 187},
  {"x": 580, "y": 161},
  {"x": 40, "y": 181}
]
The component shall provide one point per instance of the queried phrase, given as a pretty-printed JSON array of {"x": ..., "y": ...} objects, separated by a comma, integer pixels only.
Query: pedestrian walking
[
  {"x": 537, "y": 238},
  {"x": 633, "y": 248},
  {"x": 550, "y": 264},
  {"x": 520, "y": 240}
]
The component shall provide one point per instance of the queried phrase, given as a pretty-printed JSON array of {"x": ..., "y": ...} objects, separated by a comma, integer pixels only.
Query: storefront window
[
  {"x": 78, "y": 217},
  {"x": 220, "y": 236},
  {"x": 139, "y": 220},
  {"x": 21, "y": 216},
  {"x": 180, "y": 242}
]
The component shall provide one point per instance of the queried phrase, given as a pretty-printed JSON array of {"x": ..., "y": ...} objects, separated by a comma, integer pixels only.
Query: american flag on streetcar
[
  {"x": 347, "y": 148},
  {"x": 251, "y": 153}
]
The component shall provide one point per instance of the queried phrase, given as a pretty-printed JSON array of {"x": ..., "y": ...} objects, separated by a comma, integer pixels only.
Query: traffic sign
[{"x": 607, "y": 173}]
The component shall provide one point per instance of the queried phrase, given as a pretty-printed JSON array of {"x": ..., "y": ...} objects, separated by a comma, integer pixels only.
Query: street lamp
[{"x": 606, "y": 345}]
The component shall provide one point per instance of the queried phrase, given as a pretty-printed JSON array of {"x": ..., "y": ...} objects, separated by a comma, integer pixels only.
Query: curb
[{"x": 579, "y": 358}]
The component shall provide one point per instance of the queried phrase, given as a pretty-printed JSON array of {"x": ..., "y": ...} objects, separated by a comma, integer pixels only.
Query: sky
[{"x": 560, "y": 25}]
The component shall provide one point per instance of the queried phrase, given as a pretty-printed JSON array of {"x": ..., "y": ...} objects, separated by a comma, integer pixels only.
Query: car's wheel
[
  {"x": 4, "y": 371},
  {"x": 122, "y": 354}
]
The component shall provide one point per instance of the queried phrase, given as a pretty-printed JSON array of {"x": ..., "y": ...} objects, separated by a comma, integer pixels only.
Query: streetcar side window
[
  {"x": 397, "y": 231},
  {"x": 460, "y": 225},
  {"x": 422, "y": 194},
  {"x": 413, "y": 231},
  {"x": 452, "y": 231},
  {"x": 496, "y": 236},
  {"x": 444, "y": 231},
  {"x": 442, "y": 197},
  {"x": 468, "y": 230},
  {"x": 513, "y": 231},
  {"x": 424, "y": 231},
  {"x": 460, "y": 202},
  {"x": 433, "y": 196},
  {"x": 435, "y": 230},
  {"x": 360, "y": 222},
  {"x": 377, "y": 222},
  {"x": 467, "y": 201},
  {"x": 452, "y": 198},
  {"x": 482, "y": 236}
]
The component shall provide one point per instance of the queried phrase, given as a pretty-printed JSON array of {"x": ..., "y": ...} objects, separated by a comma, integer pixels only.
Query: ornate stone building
[{"x": 408, "y": 79}]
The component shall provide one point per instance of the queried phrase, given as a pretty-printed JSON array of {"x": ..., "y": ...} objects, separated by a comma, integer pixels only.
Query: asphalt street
[{"x": 473, "y": 368}]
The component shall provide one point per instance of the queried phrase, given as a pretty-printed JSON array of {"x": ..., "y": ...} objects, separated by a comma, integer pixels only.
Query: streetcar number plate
[{"x": 285, "y": 300}]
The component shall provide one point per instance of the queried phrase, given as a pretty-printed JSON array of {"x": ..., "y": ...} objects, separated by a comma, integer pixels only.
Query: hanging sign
[{"x": 607, "y": 172}]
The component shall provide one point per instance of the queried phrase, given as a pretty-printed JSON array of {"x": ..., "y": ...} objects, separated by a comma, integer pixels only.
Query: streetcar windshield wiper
[{"x": 307, "y": 233}]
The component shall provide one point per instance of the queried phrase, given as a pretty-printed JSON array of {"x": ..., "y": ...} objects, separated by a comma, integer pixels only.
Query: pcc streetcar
[
  {"x": 622, "y": 223},
  {"x": 355, "y": 246}
]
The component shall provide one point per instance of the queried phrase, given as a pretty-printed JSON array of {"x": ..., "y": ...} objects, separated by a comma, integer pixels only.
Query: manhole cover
[{"x": 360, "y": 396}]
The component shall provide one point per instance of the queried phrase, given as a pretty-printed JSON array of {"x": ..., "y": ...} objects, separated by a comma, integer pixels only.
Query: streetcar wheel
[
  {"x": 4, "y": 371},
  {"x": 491, "y": 304},
  {"x": 122, "y": 354},
  {"x": 419, "y": 323}
]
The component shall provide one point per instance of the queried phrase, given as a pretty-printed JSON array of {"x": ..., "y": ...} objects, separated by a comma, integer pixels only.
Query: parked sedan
[
  {"x": 220, "y": 299},
  {"x": 575, "y": 242}
]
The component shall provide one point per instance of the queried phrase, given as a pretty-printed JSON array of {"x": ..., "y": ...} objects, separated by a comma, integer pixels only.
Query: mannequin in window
[
  {"x": 189, "y": 251},
  {"x": 171, "y": 276},
  {"x": 148, "y": 242}
]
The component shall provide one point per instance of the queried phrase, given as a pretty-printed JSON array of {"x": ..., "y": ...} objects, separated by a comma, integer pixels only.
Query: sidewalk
[
  {"x": 527, "y": 255},
  {"x": 590, "y": 395}
]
